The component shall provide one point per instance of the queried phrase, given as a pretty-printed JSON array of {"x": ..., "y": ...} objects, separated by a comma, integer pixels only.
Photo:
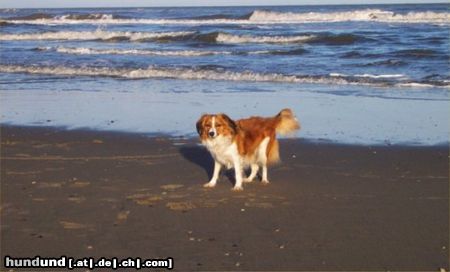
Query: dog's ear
[
  {"x": 199, "y": 124},
  {"x": 230, "y": 123}
]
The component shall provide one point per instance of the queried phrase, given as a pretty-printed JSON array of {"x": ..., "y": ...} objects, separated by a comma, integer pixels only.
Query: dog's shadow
[{"x": 201, "y": 156}]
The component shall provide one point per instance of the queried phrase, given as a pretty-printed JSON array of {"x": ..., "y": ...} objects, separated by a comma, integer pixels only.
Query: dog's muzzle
[{"x": 212, "y": 133}]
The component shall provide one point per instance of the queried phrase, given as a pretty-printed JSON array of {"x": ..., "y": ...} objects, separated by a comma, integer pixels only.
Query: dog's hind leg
[
  {"x": 264, "y": 179},
  {"x": 262, "y": 159},
  {"x": 253, "y": 173}
]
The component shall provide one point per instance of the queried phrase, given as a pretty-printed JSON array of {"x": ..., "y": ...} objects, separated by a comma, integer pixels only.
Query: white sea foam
[
  {"x": 357, "y": 15},
  {"x": 229, "y": 38},
  {"x": 209, "y": 74},
  {"x": 369, "y": 75},
  {"x": 381, "y": 76},
  {"x": 92, "y": 35},
  {"x": 62, "y": 20},
  {"x": 166, "y": 53},
  {"x": 418, "y": 85},
  {"x": 8, "y": 10},
  {"x": 98, "y": 51},
  {"x": 337, "y": 75},
  {"x": 94, "y": 16},
  {"x": 142, "y": 36},
  {"x": 178, "y": 73},
  {"x": 261, "y": 17}
]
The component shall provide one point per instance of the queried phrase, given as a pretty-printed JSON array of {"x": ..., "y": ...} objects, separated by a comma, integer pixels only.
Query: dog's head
[{"x": 213, "y": 125}]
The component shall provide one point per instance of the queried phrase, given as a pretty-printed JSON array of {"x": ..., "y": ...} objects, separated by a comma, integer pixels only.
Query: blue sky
[{"x": 153, "y": 3}]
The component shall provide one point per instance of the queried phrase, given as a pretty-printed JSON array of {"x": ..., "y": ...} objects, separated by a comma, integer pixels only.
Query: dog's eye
[{"x": 218, "y": 125}]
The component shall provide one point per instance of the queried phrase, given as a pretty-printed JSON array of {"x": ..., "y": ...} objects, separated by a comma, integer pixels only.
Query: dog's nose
[{"x": 212, "y": 134}]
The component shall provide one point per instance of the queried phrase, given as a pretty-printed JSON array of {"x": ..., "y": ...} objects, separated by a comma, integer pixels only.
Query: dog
[{"x": 245, "y": 143}]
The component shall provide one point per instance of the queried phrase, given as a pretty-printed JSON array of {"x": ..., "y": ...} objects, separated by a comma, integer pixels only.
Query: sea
[{"x": 353, "y": 74}]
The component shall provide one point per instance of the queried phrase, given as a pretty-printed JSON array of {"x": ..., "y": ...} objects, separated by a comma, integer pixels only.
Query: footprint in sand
[
  {"x": 177, "y": 195},
  {"x": 72, "y": 225},
  {"x": 171, "y": 186},
  {"x": 50, "y": 184},
  {"x": 180, "y": 206},
  {"x": 23, "y": 172},
  {"x": 265, "y": 205},
  {"x": 145, "y": 198},
  {"x": 80, "y": 184},
  {"x": 76, "y": 199}
]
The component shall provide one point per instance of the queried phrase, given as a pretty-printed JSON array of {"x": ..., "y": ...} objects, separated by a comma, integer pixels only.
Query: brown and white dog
[{"x": 244, "y": 143}]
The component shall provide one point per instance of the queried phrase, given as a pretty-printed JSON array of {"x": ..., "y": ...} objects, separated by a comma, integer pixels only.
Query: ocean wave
[
  {"x": 217, "y": 16},
  {"x": 339, "y": 39},
  {"x": 8, "y": 10},
  {"x": 382, "y": 76},
  {"x": 389, "y": 62},
  {"x": 291, "y": 52},
  {"x": 214, "y": 73},
  {"x": 91, "y": 16},
  {"x": 68, "y": 17},
  {"x": 360, "y": 55},
  {"x": 150, "y": 72},
  {"x": 357, "y": 15},
  {"x": 416, "y": 85},
  {"x": 32, "y": 17},
  {"x": 94, "y": 35},
  {"x": 417, "y": 53},
  {"x": 95, "y": 51},
  {"x": 405, "y": 53},
  {"x": 168, "y": 53},
  {"x": 255, "y": 17},
  {"x": 369, "y": 75},
  {"x": 116, "y": 36},
  {"x": 230, "y": 38}
]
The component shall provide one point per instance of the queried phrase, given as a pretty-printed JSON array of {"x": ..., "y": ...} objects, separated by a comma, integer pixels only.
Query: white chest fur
[{"x": 223, "y": 150}]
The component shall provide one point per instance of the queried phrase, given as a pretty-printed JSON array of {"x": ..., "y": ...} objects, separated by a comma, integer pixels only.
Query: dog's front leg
[
  {"x": 213, "y": 181},
  {"x": 238, "y": 175}
]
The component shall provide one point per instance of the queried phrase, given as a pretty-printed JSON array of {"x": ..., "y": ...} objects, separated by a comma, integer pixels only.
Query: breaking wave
[
  {"x": 167, "y": 53},
  {"x": 94, "y": 35},
  {"x": 114, "y": 36},
  {"x": 211, "y": 73},
  {"x": 95, "y": 51},
  {"x": 68, "y": 17},
  {"x": 255, "y": 17},
  {"x": 213, "y": 37},
  {"x": 229, "y": 38},
  {"x": 357, "y": 15}
]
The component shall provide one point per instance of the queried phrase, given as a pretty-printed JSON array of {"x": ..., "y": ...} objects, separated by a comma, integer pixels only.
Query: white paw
[
  {"x": 209, "y": 185},
  {"x": 237, "y": 189},
  {"x": 265, "y": 182},
  {"x": 247, "y": 180}
]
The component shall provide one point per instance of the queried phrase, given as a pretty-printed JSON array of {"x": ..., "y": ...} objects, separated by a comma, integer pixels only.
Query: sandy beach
[{"x": 329, "y": 207}]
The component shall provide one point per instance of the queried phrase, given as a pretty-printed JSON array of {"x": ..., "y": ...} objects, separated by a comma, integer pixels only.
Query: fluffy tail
[
  {"x": 286, "y": 122},
  {"x": 273, "y": 153}
]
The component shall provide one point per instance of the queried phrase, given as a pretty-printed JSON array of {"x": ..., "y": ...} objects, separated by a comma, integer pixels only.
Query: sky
[{"x": 155, "y": 3}]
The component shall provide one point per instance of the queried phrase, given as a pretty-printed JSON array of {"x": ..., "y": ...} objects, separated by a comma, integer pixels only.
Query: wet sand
[{"x": 328, "y": 207}]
